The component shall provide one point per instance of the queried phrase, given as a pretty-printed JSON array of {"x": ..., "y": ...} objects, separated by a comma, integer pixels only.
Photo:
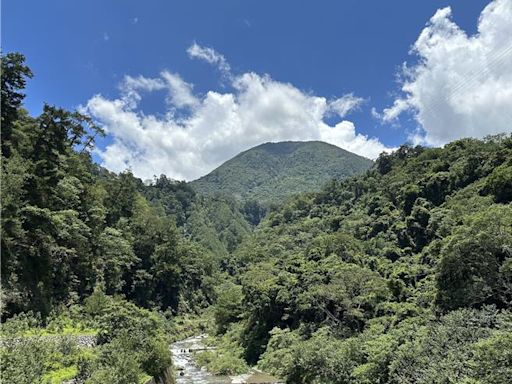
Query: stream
[{"x": 187, "y": 371}]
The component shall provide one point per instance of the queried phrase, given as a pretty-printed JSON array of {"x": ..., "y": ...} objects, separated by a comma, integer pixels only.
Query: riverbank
[{"x": 185, "y": 364}]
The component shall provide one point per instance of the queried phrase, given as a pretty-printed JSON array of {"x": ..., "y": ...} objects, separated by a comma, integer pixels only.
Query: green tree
[
  {"x": 492, "y": 361},
  {"x": 473, "y": 258},
  {"x": 499, "y": 184},
  {"x": 14, "y": 76},
  {"x": 228, "y": 306}
]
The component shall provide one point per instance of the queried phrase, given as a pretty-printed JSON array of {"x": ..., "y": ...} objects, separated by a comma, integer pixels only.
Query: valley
[{"x": 301, "y": 260}]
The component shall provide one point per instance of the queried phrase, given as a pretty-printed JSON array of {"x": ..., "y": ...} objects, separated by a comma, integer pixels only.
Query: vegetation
[
  {"x": 227, "y": 357},
  {"x": 271, "y": 172},
  {"x": 69, "y": 226},
  {"x": 128, "y": 344},
  {"x": 399, "y": 275},
  {"x": 76, "y": 236}
]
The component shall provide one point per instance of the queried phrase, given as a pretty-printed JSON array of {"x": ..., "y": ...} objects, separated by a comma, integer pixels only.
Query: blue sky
[{"x": 319, "y": 49}]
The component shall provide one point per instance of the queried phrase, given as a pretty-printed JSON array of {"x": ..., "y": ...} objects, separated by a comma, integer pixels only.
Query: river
[{"x": 186, "y": 369}]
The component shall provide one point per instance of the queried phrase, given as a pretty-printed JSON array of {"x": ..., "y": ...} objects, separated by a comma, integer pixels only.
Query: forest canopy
[{"x": 400, "y": 274}]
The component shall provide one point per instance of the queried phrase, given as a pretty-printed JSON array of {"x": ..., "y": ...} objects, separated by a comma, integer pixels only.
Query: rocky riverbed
[{"x": 186, "y": 369}]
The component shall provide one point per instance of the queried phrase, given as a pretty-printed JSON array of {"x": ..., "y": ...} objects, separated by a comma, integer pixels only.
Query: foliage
[
  {"x": 24, "y": 360},
  {"x": 271, "y": 172},
  {"x": 499, "y": 183},
  {"x": 473, "y": 269},
  {"x": 69, "y": 226},
  {"x": 227, "y": 357},
  {"x": 132, "y": 343},
  {"x": 402, "y": 274},
  {"x": 492, "y": 361},
  {"x": 386, "y": 277},
  {"x": 14, "y": 73},
  {"x": 229, "y": 305}
]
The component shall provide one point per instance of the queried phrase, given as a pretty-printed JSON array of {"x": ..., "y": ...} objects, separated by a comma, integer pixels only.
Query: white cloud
[
  {"x": 392, "y": 113},
  {"x": 461, "y": 85},
  {"x": 216, "y": 126},
  {"x": 344, "y": 105},
  {"x": 209, "y": 55},
  {"x": 141, "y": 83},
  {"x": 180, "y": 92},
  {"x": 131, "y": 86}
]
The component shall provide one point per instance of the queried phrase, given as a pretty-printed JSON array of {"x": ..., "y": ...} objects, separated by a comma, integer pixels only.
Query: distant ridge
[{"x": 271, "y": 172}]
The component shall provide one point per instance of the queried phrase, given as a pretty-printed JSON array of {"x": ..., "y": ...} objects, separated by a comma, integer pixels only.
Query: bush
[
  {"x": 24, "y": 359},
  {"x": 118, "y": 363}
]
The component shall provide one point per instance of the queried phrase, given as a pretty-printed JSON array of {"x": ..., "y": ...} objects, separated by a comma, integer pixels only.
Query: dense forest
[
  {"x": 88, "y": 251},
  {"x": 271, "y": 172},
  {"x": 402, "y": 274}
]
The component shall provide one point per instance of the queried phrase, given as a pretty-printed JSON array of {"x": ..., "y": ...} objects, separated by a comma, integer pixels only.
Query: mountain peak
[{"x": 272, "y": 171}]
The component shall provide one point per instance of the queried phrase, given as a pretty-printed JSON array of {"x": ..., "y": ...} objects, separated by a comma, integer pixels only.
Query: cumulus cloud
[
  {"x": 180, "y": 92},
  {"x": 131, "y": 88},
  {"x": 392, "y": 113},
  {"x": 345, "y": 104},
  {"x": 214, "y": 127},
  {"x": 461, "y": 85}
]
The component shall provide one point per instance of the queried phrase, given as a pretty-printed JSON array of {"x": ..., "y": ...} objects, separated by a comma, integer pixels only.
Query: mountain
[
  {"x": 401, "y": 274},
  {"x": 271, "y": 172}
]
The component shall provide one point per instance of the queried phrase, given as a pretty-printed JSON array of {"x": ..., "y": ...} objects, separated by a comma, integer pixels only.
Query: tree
[
  {"x": 492, "y": 362},
  {"x": 228, "y": 306},
  {"x": 470, "y": 272},
  {"x": 499, "y": 184},
  {"x": 115, "y": 258},
  {"x": 14, "y": 76}
]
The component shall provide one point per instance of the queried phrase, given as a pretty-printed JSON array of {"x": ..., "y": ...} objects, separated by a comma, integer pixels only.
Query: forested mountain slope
[
  {"x": 271, "y": 172},
  {"x": 85, "y": 250},
  {"x": 69, "y": 225},
  {"x": 219, "y": 223},
  {"x": 401, "y": 275}
]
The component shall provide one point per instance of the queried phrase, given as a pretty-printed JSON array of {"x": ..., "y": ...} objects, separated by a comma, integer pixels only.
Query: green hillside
[
  {"x": 400, "y": 275},
  {"x": 272, "y": 171}
]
